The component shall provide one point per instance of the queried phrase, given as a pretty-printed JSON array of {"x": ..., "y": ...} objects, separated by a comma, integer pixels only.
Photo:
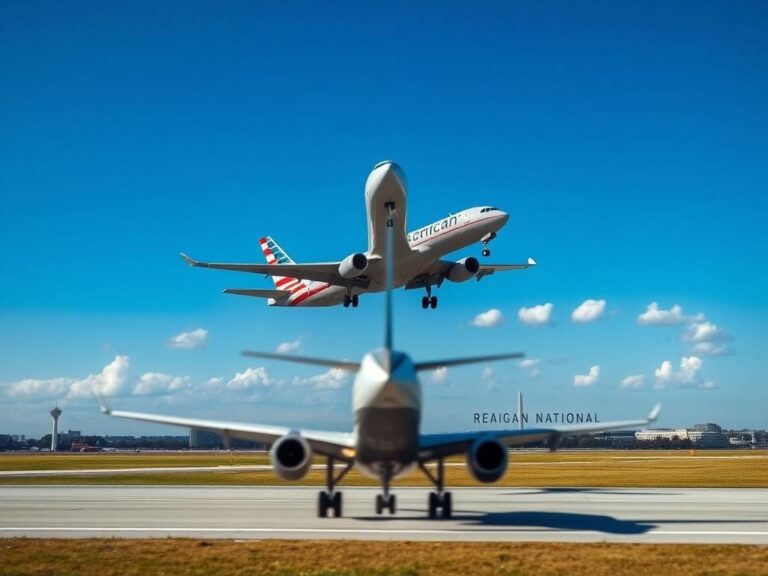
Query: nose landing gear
[{"x": 484, "y": 240}]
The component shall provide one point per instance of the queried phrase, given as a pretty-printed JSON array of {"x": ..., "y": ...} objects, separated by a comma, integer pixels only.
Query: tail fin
[{"x": 276, "y": 255}]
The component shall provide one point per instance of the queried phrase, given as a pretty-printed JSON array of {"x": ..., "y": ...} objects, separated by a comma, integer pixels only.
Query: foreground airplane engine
[
  {"x": 487, "y": 459},
  {"x": 353, "y": 265},
  {"x": 291, "y": 457},
  {"x": 463, "y": 270}
]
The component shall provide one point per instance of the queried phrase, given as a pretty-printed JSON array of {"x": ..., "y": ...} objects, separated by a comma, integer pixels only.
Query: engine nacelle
[
  {"x": 463, "y": 270},
  {"x": 353, "y": 265},
  {"x": 487, "y": 459},
  {"x": 291, "y": 457}
]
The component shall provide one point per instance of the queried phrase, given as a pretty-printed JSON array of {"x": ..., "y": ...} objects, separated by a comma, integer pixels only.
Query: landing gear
[
  {"x": 329, "y": 499},
  {"x": 390, "y": 206},
  {"x": 440, "y": 500},
  {"x": 386, "y": 500},
  {"x": 428, "y": 301},
  {"x": 353, "y": 300},
  {"x": 484, "y": 240}
]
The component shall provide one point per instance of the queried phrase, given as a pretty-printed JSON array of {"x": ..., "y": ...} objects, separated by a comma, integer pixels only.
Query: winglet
[
  {"x": 531, "y": 261},
  {"x": 103, "y": 404},
  {"x": 189, "y": 260},
  {"x": 654, "y": 413}
]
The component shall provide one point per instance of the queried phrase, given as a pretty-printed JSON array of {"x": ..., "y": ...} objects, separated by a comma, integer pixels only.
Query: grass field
[
  {"x": 716, "y": 468},
  {"x": 195, "y": 557}
]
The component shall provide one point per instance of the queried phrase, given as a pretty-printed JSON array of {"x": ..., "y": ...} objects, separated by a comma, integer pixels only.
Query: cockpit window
[{"x": 487, "y": 209}]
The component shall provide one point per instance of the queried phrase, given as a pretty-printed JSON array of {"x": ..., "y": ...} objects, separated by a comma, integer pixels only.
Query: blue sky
[{"x": 627, "y": 142}]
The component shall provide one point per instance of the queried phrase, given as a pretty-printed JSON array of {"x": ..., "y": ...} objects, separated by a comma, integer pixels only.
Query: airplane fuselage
[
  {"x": 414, "y": 251},
  {"x": 387, "y": 414}
]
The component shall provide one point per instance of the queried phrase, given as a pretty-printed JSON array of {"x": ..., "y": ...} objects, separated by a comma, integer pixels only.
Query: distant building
[{"x": 652, "y": 434}]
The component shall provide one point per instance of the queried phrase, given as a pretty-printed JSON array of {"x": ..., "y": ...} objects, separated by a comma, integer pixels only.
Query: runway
[{"x": 699, "y": 515}]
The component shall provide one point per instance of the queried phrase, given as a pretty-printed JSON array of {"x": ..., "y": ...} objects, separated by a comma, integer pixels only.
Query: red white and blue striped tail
[{"x": 276, "y": 255}]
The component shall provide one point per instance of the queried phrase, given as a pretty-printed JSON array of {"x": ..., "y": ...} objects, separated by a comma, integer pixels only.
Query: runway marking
[{"x": 364, "y": 531}]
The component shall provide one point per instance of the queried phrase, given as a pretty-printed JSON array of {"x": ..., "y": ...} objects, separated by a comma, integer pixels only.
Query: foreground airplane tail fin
[{"x": 274, "y": 254}]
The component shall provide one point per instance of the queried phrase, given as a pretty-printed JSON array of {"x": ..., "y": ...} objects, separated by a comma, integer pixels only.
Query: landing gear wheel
[
  {"x": 447, "y": 505},
  {"x": 355, "y": 301},
  {"x": 388, "y": 502},
  {"x": 347, "y": 300},
  {"x": 433, "y": 505},
  {"x": 433, "y": 302},
  {"x": 486, "y": 252},
  {"x": 336, "y": 504},
  {"x": 425, "y": 301},
  {"x": 323, "y": 502}
]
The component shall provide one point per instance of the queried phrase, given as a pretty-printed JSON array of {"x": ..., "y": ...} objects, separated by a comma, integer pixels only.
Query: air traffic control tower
[{"x": 55, "y": 413}]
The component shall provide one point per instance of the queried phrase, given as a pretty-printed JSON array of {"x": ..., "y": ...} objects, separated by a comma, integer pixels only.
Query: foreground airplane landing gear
[
  {"x": 440, "y": 500},
  {"x": 331, "y": 500},
  {"x": 386, "y": 500},
  {"x": 484, "y": 240}
]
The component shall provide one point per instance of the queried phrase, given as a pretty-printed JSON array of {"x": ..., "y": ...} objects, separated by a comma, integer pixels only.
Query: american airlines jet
[
  {"x": 417, "y": 255},
  {"x": 386, "y": 441}
]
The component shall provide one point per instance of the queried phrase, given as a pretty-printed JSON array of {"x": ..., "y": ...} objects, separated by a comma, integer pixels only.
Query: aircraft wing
[
  {"x": 339, "y": 445},
  {"x": 327, "y": 272},
  {"x": 437, "y": 272},
  {"x": 433, "y": 446},
  {"x": 488, "y": 269}
]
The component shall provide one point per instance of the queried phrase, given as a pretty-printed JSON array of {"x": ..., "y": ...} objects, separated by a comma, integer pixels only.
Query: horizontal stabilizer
[
  {"x": 470, "y": 360},
  {"x": 276, "y": 294},
  {"x": 343, "y": 364}
]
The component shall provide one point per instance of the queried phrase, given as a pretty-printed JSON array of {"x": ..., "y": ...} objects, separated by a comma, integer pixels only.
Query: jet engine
[
  {"x": 291, "y": 457},
  {"x": 487, "y": 459},
  {"x": 353, "y": 265},
  {"x": 463, "y": 270}
]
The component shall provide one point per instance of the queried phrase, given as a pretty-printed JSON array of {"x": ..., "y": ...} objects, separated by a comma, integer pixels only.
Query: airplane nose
[
  {"x": 385, "y": 174},
  {"x": 503, "y": 217}
]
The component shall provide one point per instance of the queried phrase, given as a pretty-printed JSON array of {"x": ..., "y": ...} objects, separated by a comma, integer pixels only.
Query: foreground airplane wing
[
  {"x": 433, "y": 446},
  {"x": 327, "y": 272},
  {"x": 438, "y": 271},
  {"x": 338, "y": 445}
]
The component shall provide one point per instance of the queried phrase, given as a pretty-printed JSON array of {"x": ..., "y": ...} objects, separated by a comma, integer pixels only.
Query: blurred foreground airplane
[
  {"x": 386, "y": 441},
  {"x": 417, "y": 255}
]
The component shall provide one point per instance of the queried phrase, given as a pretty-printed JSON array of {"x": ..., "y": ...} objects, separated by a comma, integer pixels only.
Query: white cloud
[
  {"x": 686, "y": 375},
  {"x": 588, "y": 379},
  {"x": 189, "y": 340},
  {"x": 439, "y": 375},
  {"x": 708, "y": 339},
  {"x": 633, "y": 382},
  {"x": 488, "y": 319},
  {"x": 487, "y": 374},
  {"x": 250, "y": 378},
  {"x": 654, "y": 316},
  {"x": 536, "y": 315},
  {"x": 288, "y": 347},
  {"x": 108, "y": 382},
  {"x": 588, "y": 311},
  {"x": 532, "y": 367},
  {"x": 153, "y": 383},
  {"x": 333, "y": 379}
]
